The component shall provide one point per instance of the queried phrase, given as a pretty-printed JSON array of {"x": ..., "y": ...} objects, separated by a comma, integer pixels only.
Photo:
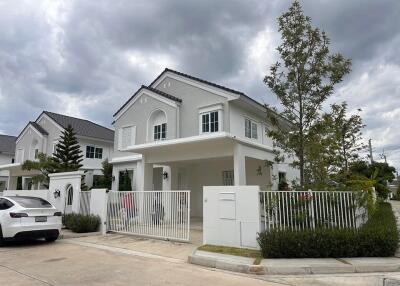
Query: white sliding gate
[{"x": 159, "y": 214}]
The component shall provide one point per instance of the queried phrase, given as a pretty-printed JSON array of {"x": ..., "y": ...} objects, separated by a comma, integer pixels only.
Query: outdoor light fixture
[
  {"x": 165, "y": 175},
  {"x": 113, "y": 178},
  {"x": 57, "y": 193}
]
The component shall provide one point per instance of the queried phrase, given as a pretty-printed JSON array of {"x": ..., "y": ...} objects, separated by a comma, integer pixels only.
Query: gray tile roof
[
  {"x": 7, "y": 144},
  {"x": 82, "y": 127},
  {"x": 39, "y": 128},
  {"x": 164, "y": 94}
]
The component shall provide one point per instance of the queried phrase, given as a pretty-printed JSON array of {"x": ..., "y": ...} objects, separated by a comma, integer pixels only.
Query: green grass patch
[{"x": 244, "y": 252}]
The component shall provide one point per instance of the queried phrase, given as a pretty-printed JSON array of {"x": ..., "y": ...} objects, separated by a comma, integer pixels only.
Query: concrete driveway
[{"x": 66, "y": 263}]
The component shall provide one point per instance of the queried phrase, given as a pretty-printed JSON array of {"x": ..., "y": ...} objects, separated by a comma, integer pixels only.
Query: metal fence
[
  {"x": 159, "y": 214},
  {"x": 84, "y": 202},
  {"x": 299, "y": 210}
]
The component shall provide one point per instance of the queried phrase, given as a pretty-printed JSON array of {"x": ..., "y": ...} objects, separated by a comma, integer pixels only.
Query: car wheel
[
  {"x": 51, "y": 238},
  {"x": 1, "y": 237}
]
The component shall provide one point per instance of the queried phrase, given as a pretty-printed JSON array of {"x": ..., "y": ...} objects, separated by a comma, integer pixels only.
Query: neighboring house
[
  {"x": 7, "y": 150},
  {"x": 183, "y": 133},
  {"x": 42, "y": 135}
]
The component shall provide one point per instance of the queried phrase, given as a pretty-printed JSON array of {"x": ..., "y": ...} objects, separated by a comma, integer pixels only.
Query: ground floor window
[
  {"x": 125, "y": 181},
  {"x": 228, "y": 178}
]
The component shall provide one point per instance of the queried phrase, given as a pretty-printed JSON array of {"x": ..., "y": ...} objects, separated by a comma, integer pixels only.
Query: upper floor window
[
  {"x": 210, "y": 122},
  {"x": 160, "y": 132},
  {"x": 94, "y": 152},
  {"x": 250, "y": 129}
]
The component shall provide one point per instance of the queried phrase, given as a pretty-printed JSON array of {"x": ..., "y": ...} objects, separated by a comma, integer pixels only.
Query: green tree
[
  {"x": 380, "y": 173},
  {"x": 346, "y": 135},
  {"x": 68, "y": 154},
  {"x": 105, "y": 181},
  {"x": 45, "y": 165},
  {"x": 302, "y": 81}
]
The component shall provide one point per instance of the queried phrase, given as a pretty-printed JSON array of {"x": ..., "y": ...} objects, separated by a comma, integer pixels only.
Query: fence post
[
  {"x": 98, "y": 206},
  {"x": 312, "y": 209}
]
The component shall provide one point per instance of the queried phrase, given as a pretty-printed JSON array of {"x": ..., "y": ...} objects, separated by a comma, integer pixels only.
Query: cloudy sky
[{"x": 85, "y": 58}]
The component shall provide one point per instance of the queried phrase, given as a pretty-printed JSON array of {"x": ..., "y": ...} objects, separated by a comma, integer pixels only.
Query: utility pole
[
  {"x": 370, "y": 151},
  {"x": 383, "y": 156}
]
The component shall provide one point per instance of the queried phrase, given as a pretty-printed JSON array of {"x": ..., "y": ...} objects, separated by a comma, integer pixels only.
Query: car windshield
[{"x": 30, "y": 202}]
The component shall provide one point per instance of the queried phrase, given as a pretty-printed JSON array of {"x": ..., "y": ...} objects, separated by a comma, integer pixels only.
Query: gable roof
[
  {"x": 82, "y": 127},
  {"x": 38, "y": 128},
  {"x": 198, "y": 80},
  {"x": 7, "y": 144},
  {"x": 159, "y": 92}
]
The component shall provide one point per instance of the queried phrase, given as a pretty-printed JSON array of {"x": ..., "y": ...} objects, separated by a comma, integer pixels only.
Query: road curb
[{"x": 347, "y": 266}]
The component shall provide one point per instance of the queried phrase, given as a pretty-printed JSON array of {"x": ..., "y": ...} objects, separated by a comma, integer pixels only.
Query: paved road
[{"x": 63, "y": 263}]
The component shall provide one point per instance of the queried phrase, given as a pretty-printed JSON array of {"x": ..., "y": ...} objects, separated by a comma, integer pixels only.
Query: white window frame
[
  {"x": 207, "y": 110},
  {"x": 253, "y": 135},
  {"x": 228, "y": 178},
  {"x": 95, "y": 148},
  {"x": 160, "y": 133}
]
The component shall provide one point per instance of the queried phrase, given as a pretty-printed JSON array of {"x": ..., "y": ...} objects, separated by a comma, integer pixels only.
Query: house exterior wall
[
  {"x": 238, "y": 114},
  {"x": 193, "y": 99},
  {"x": 138, "y": 115},
  {"x": 54, "y": 133},
  {"x": 94, "y": 163},
  {"x": 25, "y": 144}
]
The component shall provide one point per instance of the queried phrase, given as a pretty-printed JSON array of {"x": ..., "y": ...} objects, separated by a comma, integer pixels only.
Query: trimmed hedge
[
  {"x": 81, "y": 223},
  {"x": 378, "y": 237}
]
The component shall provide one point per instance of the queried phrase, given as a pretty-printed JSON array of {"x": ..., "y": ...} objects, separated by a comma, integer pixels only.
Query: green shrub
[
  {"x": 81, "y": 223},
  {"x": 378, "y": 237}
]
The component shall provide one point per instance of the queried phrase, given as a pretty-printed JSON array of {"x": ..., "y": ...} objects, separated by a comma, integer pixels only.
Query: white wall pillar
[
  {"x": 12, "y": 183},
  {"x": 59, "y": 182},
  {"x": 98, "y": 206},
  {"x": 147, "y": 169},
  {"x": 239, "y": 165}
]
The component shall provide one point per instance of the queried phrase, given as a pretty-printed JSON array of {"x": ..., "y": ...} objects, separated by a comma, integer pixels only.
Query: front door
[{"x": 182, "y": 182}]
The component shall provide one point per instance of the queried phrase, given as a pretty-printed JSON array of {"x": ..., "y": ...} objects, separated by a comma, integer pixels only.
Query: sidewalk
[{"x": 295, "y": 266}]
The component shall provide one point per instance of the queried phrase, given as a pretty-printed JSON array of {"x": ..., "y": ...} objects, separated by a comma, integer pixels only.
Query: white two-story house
[
  {"x": 7, "y": 150},
  {"x": 42, "y": 135},
  {"x": 183, "y": 133}
]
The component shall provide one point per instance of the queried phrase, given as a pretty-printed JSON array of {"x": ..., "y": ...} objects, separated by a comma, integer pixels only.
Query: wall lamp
[
  {"x": 165, "y": 175},
  {"x": 57, "y": 193}
]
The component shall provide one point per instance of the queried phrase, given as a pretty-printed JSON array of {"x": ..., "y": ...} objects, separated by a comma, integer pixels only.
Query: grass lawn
[{"x": 245, "y": 252}]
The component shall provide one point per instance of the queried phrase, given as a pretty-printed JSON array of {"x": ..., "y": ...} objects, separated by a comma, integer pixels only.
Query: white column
[
  {"x": 147, "y": 174},
  {"x": 239, "y": 165},
  {"x": 12, "y": 183}
]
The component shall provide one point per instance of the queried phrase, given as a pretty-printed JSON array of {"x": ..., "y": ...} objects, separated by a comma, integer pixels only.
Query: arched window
[
  {"x": 157, "y": 126},
  {"x": 35, "y": 149},
  {"x": 70, "y": 195}
]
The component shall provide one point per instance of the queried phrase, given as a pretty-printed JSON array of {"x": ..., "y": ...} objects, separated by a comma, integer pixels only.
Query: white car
[{"x": 23, "y": 217}]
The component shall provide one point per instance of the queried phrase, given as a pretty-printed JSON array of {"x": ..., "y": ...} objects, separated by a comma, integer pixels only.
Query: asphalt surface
[{"x": 63, "y": 263}]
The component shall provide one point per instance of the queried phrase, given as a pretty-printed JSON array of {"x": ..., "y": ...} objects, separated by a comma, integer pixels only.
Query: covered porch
[
  {"x": 18, "y": 178},
  {"x": 206, "y": 160}
]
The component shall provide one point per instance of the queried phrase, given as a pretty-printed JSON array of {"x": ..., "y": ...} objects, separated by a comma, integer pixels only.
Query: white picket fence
[
  {"x": 159, "y": 214},
  {"x": 299, "y": 210},
  {"x": 84, "y": 202}
]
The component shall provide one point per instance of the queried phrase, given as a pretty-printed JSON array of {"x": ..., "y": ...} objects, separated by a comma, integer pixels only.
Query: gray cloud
[{"x": 85, "y": 58}]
